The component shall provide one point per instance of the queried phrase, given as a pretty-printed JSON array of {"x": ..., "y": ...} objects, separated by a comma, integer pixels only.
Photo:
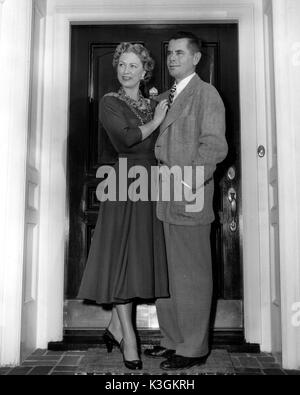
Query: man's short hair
[{"x": 194, "y": 43}]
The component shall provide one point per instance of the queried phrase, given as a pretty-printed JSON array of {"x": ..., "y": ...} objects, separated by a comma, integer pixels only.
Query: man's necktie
[{"x": 172, "y": 94}]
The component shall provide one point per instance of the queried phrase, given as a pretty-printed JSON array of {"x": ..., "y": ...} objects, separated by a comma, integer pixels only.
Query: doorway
[{"x": 92, "y": 76}]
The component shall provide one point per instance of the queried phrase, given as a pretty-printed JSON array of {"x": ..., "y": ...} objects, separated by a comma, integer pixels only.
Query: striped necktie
[{"x": 172, "y": 94}]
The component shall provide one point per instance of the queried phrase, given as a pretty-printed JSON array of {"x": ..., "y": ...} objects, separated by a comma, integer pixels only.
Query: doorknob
[
  {"x": 231, "y": 173},
  {"x": 261, "y": 151},
  {"x": 232, "y": 196}
]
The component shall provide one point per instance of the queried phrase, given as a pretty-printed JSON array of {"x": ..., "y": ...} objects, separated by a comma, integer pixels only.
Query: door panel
[{"x": 92, "y": 76}]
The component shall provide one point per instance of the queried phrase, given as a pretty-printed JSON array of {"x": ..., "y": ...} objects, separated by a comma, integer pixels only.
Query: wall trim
[
  {"x": 287, "y": 76},
  {"x": 15, "y": 49}
]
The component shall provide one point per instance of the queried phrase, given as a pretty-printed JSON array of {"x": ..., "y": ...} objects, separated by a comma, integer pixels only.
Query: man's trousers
[{"x": 184, "y": 317}]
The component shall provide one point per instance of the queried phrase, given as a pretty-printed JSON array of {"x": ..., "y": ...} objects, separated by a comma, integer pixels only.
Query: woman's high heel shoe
[
  {"x": 109, "y": 340},
  {"x": 133, "y": 365}
]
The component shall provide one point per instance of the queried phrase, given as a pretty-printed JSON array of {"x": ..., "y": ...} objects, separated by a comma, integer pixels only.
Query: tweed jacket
[{"x": 192, "y": 134}]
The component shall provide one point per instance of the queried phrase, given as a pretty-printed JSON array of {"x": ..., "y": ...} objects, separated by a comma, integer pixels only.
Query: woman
[{"x": 127, "y": 259}]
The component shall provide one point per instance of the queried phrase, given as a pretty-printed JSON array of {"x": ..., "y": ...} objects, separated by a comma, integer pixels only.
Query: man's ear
[{"x": 197, "y": 57}]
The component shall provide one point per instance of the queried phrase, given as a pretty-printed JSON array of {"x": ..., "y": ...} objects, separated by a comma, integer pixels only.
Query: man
[{"x": 192, "y": 134}]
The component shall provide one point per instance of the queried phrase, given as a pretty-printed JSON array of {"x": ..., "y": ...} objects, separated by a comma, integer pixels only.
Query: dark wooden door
[{"x": 92, "y": 76}]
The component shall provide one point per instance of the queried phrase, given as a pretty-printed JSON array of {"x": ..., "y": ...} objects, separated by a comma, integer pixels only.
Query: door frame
[{"x": 254, "y": 219}]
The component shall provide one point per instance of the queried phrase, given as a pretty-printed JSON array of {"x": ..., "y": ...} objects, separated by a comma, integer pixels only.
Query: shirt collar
[{"x": 183, "y": 83}]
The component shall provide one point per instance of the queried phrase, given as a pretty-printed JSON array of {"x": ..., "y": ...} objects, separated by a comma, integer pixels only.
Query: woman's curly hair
[{"x": 139, "y": 50}]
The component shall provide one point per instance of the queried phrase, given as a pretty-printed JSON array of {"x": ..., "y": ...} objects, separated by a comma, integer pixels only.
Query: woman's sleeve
[
  {"x": 153, "y": 104},
  {"x": 114, "y": 122}
]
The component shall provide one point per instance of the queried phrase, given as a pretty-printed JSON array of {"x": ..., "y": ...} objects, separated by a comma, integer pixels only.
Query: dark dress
[{"x": 127, "y": 258}]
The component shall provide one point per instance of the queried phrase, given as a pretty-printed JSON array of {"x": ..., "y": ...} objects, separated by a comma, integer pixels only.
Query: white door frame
[
  {"x": 249, "y": 16},
  {"x": 15, "y": 37}
]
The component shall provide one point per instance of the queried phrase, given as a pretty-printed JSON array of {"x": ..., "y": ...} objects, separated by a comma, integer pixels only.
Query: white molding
[
  {"x": 14, "y": 100},
  {"x": 148, "y": 13},
  {"x": 40, "y": 6},
  {"x": 50, "y": 274},
  {"x": 287, "y": 80},
  {"x": 1, "y": 6},
  {"x": 250, "y": 210},
  {"x": 145, "y": 8},
  {"x": 53, "y": 194},
  {"x": 32, "y": 274},
  {"x": 264, "y": 191}
]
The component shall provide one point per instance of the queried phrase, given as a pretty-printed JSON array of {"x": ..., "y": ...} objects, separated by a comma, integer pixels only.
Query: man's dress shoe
[
  {"x": 179, "y": 362},
  {"x": 159, "y": 352}
]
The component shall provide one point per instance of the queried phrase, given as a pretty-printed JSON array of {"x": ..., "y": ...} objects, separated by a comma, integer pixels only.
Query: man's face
[{"x": 181, "y": 60}]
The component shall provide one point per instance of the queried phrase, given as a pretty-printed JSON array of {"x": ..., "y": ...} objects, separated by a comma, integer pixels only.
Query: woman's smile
[{"x": 130, "y": 71}]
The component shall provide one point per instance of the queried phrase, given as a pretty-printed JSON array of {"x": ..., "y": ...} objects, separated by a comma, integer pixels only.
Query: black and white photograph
[{"x": 150, "y": 161}]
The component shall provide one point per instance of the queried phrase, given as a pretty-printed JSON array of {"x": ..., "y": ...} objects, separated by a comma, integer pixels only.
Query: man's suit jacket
[{"x": 192, "y": 134}]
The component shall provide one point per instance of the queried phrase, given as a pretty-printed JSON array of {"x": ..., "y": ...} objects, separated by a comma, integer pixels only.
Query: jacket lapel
[{"x": 178, "y": 105}]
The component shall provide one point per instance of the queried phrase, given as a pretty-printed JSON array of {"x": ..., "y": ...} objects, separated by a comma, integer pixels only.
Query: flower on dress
[{"x": 153, "y": 92}]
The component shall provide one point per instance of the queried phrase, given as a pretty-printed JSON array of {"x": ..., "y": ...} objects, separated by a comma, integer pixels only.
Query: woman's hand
[
  {"x": 159, "y": 115},
  {"x": 160, "y": 112}
]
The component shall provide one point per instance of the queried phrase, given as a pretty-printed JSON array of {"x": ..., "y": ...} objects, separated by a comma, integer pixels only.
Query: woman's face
[{"x": 130, "y": 70}]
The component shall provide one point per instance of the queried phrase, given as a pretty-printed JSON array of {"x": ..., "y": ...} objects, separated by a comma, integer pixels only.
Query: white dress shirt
[{"x": 182, "y": 84}]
